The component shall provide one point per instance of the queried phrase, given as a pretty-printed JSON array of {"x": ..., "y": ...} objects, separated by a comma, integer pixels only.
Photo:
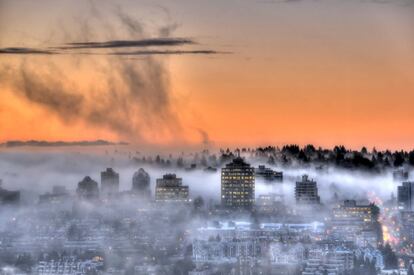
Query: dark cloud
[
  {"x": 43, "y": 143},
  {"x": 132, "y": 99},
  {"x": 27, "y": 51},
  {"x": 114, "y": 44},
  {"x": 166, "y": 52},
  {"x": 47, "y": 89},
  {"x": 24, "y": 51},
  {"x": 153, "y": 42}
]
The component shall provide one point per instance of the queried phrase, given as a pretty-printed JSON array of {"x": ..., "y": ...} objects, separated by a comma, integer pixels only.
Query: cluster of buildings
[
  {"x": 244, "y": 234},
  {"x": 237, "y": 185},
  {"x": 89, "y": 188},
  {"x": 279, "y": 248}
]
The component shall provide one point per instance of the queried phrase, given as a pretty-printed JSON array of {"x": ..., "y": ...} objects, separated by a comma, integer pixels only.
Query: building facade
[
  {"x": 87, "y": 189},
  {"x": 169, "y": 188},
  {"x": 109, "y": 182},
  {"x": 306, "y": 191},
  {"x": 141, "y": 183},
  {"x": 405, "y": 196},
  {"x": 238, "y": 184}
]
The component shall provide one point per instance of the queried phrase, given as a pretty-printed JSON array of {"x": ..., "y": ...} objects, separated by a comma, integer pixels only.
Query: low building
[
  {"x": 329, "y": 261},
  {"x": 287, "y": 254},
  {"x": 270, "y": 204},
  {"x": 69, "y": 266},
  {"x": 170, "y": 189},
  {"x": 217, "y": 251},
  {"x": 59, "y": 194}
]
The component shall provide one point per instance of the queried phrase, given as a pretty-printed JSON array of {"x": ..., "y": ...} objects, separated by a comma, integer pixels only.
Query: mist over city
[{"x": 208, "y": 137}]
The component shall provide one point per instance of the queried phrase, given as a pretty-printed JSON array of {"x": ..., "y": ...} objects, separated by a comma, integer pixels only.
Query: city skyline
[
  {"x": 300, "y": 75},
  {"x": 206, "y": 137}
]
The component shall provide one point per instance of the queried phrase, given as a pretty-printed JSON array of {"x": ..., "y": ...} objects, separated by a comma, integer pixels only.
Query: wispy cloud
[
  {"x": 24, "y": 51},
  {"x": 168, "y": 52},
  {"x": 153, "y": 42},
  {"x": 74, "y": 48}
]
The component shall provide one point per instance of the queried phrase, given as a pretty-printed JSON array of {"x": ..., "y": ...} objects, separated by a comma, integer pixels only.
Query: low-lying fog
[{"x": 36, "y": 171}]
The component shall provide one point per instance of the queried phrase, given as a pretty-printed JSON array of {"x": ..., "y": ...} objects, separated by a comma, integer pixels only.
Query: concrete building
[
  {"x": 59, "y": 195},
  {"x": 170, "y": 189},
  {"x": 306, "y": 191},
  {"x": 141, "y": 183},
  {"x": 357, "y": 223},
  {"x": 329, "y": 261},
  {"x": 9, "y": 197},
  {"x": 400, "y": 175},
  {"x": 87, "y": 189},
  {"x": 237, "y": 185},
  {"x": 406, "y": 196},
  {"x": 407, "y": 226},
  {"x": 268, "y": 174},
  {"x": 109, "y": 182},
  {"x": 216, "y": 251},
  {"x": 270, "y": 204}
]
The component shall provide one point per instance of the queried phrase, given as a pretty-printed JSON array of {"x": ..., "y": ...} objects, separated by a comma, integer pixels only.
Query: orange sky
[{"x": 322, "y": 72}]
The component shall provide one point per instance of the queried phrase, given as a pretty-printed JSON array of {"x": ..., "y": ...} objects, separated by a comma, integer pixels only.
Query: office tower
[
  {"x": 170, "y": 189},
  {"x": 109, "y": 182},
  {"x": 306, "y": 191},
  {"x": 351, "y": 211},
  {"x": 268, "y": 174},
  {"x": 88, "y": 188},
  {"x": 141, "y": 183},
  {"x": 400, "y": 175},
  {"x": 357, "y": 223},
  {"x": 237, "y": 184},
  {"x": 405, "y": 196},
  {"x": 8, "y": 197}
]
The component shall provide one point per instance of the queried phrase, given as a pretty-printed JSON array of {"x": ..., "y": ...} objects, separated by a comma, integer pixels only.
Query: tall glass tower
[{"x": 237, "y": 184}]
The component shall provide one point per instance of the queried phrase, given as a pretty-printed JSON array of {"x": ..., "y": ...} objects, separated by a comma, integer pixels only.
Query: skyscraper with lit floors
[{"x": 237, "y": 185}]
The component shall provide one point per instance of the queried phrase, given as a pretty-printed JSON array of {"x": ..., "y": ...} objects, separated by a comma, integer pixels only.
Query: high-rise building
[
  {"x": 109, "y": 182},
  {"x": 171, "y": 189},
  {"x": 268, "y": 174},
  {"x": 8, "y": 197},
  {"x": 356, "y": 222},
  {"x": 237, "y": 184},
  {"x": 141, "y": 183},
  {"x": 306, "y": 191},
  {"x": 88, "y": 188},
  {"x": 400, "y": 175},
  {"x": 406, "y": 196},
  {"x": 351, "y": 211}
]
